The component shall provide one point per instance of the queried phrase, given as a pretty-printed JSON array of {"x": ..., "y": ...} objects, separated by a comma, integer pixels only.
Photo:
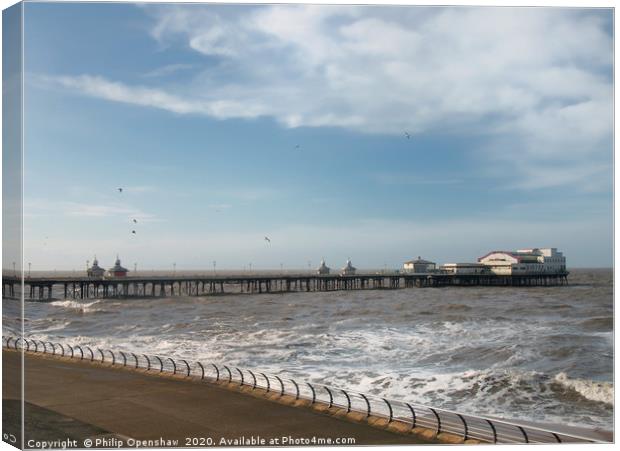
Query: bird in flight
[
  {"x": 297, "y": 146},
  {"x": 133, "y": 231},
  {"x": 267, "y": 239},
  {"x": 407, "y": 135},
  {"x": 120, "y": 190},
  {"x": 135, "y": 221}
]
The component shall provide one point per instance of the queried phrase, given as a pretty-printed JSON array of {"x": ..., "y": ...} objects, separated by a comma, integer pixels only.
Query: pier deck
[{"x": 43, "y": 288}]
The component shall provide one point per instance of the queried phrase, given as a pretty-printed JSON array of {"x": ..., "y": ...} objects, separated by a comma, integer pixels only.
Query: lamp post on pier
[
  {"x": 29, "y": 264},
  {"x": 214, "y": 265}
]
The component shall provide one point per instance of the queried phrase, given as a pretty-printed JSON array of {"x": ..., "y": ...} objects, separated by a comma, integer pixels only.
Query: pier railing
[{"x": 439, "y": 421}]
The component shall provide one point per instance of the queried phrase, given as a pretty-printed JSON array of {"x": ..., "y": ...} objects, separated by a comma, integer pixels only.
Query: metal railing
[{"x": 467, "y": 427}]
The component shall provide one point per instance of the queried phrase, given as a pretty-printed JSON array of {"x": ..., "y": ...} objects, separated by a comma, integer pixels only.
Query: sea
[{"x": 540, "y": 354}]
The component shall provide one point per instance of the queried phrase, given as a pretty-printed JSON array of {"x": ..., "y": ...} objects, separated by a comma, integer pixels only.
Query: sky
[{"x": 373, "y": 133}]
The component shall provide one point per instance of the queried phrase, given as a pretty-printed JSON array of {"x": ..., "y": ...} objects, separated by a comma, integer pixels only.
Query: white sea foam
[
  {"x": 75, "y": 305},
  {"x": 592, "y": 390}
]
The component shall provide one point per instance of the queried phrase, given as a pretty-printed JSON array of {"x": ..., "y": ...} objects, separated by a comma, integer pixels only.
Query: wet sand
[{"x": 80, "y": 400}]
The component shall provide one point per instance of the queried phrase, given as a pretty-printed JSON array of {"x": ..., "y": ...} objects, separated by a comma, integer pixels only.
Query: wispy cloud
[{"x": 100, "y": 87}]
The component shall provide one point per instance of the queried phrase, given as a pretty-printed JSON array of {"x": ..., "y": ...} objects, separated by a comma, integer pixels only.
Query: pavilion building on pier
[
  {"x": 117, "y": 270},
  {"x": 95, "y": 271},
  {"x": 323, "y": 269},
  {"x": 349, "y": 269}
]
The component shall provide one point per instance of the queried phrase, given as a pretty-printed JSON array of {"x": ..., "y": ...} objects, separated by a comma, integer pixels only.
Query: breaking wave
[{"x": 592, "y": 390}]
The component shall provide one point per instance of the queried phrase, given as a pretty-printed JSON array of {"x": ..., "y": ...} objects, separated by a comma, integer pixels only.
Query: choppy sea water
[{"x": 539, "y": 353}]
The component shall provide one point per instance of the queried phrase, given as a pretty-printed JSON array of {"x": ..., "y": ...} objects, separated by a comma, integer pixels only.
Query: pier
[{"x": 43, "y": 288}]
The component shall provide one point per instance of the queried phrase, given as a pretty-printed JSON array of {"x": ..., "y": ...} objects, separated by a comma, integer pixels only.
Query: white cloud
[{"x": 535, "y": 81}]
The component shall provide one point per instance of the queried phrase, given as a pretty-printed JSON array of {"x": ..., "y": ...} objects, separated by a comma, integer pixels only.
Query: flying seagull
[
  {"x": 297, "y": 146},
  {"x": 133, "y": 231},
  {"x": 407, "y": 135},
  {"x": 120, "y": 190},
  {"x": 267, "y": 239},
  {"x": 135, "y": 221}
]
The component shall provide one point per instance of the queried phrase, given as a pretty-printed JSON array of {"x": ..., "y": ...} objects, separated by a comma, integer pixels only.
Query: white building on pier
[
  {"x": 419, "y": 265},
  {"x": 525, "y": 261},
  {"x": 465, "y": 268}
]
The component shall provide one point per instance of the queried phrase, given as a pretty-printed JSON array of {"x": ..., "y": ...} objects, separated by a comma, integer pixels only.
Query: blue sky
[{"x": 225, "y": 124}]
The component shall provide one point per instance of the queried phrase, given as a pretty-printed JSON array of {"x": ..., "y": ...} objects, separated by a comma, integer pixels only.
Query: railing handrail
[{"x": 441, "y": 420}]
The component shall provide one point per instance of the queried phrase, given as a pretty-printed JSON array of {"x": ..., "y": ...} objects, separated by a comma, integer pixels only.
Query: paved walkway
[{"x": 75, "y": 399}]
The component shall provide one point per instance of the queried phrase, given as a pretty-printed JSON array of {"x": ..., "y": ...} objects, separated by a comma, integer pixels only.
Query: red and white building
[{"x": 117, "y": 270}]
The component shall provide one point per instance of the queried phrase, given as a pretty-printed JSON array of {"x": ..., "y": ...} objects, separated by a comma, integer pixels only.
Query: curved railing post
[
  {"x": 389, "y": 407},
  {"x": 81, "y": 351},
  {"x": 124, "y": 358},
  {"x": 148, "y": 362},
  {"x": 313, "y": 392},
  {"x": 113, "y": 357},
  {"x": 465, "y": 429},
  {"x": 281, "y": 385},
  {"x": 161, "y": 364},
  {"x": 438, "y": 420},
  {"x": 253, "y": 379},
  {"x": 135, "y": 358},
  {"x": 92, "y": 355},
  {"x": 268, "y": 384},
  {"x": 102, "y": 355},
  {"x": 62, "y": 348},
  {"x": 412, "y": 415},
  {"x": 202, "y": 369},
  {"x": 187, "y": 365},
  {"x": 348, "y": 400},
  {"x": 527, "y": 439},
  {"x": 229, "y": 373},
  {"x": 240, "y": 374},
  {"x": 296, "y": 389},
  {"x": 331, "y": 397},
  {"x": 367, "y": 404},
  {"x": 217, "y": 372},
  {"x": 494, "y": 430},
  {"x": 174, "y": 365}
]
